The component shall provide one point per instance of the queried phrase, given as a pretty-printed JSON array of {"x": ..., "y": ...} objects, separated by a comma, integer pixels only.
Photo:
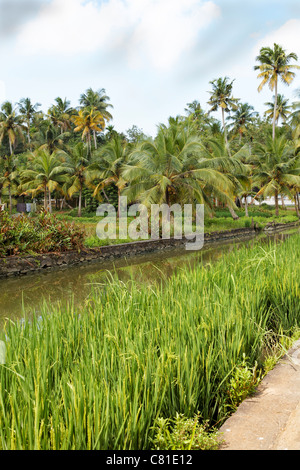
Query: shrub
[
  {"x": 243, "y": 383},
  {"x": 183, "y": 433},
  {"x": 42, "y": 233}
]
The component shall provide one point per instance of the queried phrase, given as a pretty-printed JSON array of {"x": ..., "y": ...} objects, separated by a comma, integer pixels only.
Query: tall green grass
[{"x": 100, "y": 378}]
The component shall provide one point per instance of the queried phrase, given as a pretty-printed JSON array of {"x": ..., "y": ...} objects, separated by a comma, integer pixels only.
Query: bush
[
  {"x": 42, "y": 233},
  {"x": 242, "y": 383},
  {"x": 183, "y": 433}
]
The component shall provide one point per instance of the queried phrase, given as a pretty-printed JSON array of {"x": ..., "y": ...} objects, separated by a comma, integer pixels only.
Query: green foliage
[
  {"x": 101, "y": 377},
  {"x": 41, "y": 233},
  {"x": 242, "y": 383},
  {"x": 226, "y": 223},
  {"x": 183, "y": 433}
]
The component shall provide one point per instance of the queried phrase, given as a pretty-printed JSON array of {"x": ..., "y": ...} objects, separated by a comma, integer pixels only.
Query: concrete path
[{"x": 270, "y": 419}]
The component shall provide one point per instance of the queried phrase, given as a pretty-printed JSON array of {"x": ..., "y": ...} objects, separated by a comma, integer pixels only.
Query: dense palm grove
[{"x": 73, "y": 157}]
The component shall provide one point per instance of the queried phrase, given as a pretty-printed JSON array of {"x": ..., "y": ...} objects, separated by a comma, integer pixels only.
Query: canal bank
[
  {"x": 22, "y": 265},
  {"x": 26, "y": 294}
]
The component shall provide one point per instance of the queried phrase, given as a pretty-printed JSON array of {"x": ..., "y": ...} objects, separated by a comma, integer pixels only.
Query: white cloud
[
  {"x": 246, "y": 82},
  {"x": 287, "y": 36},
  {"x": 159, "y": 31}
]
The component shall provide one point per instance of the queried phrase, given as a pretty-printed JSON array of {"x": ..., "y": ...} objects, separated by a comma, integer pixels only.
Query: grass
[
  {"x": 221, "y": 221},
  {"x": 104, "y": 376}
]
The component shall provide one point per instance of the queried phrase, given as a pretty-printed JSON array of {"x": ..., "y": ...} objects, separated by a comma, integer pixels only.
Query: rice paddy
[{"x": 102, "y": 377}]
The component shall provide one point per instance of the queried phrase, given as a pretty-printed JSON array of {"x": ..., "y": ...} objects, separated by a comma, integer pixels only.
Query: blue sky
[{"x": 151, "y": 56}]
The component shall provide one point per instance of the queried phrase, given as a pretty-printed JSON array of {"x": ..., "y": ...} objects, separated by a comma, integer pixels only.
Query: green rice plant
[{"x": 101, "y": 376}]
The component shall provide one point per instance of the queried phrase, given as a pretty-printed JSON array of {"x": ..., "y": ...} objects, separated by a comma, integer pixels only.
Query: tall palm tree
[
  {"x": 283, "y": 109},
  {"x": 52, "y": 137},
  {"x": 86, "y": 121},
  {"x": 171, "y": 168},
  {"x": 11, "y": 125},
  {"x": 9, "y": 173},
  {"x": 45, "y": 174},
  {"x": 221, "y": 97},
  {"x": 60, "y": 114},
  {"x": 277, "y": 168},
  {"x": 241, "y": 118},
  {"x": 98, "y": 100},
  {"x": 197, "y": 115},
  {"x": 28, "y": 110},
  {"x": 107, "y": 166},
  {"x": 274, "y": 64},
  {"x": 76, "y": 164},
  {"x": 235, "y": 166},
  {"x": 294, "y": 119}
]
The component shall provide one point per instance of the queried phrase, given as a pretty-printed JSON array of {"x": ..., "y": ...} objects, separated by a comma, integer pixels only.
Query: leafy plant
[
  {"x": 183, "y": 433},
  {"x": 42, "y": 233},
  {"x": 242, "y": 383}
]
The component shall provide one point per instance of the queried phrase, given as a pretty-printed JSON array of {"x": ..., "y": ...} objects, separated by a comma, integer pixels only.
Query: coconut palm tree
[
  {"x": 283, "y": 109},
  {"x": 50, "y": 138},
  {"x": 98, "y": 100},
  {"x": 28, "y": 110},
  {"x": 197, "y": 115},
  {"x": 76, "y": 164},
  {"x": 294, "y": 120},
  {"x": 241, "y": 118},
  {"x": 221, "y": 97},
  {"x": 172, "y": 168},
  {"x": 45, "y": 174},
  {"x": 86, "y": 121},
  {"x": 9, "y": 173},
  {"x": 106, "y": 167},
  {"x": 235, "y": 166},
  {"x": 11, "y": 125},
  {"x": 274, "y": 64},
  {"x": 277, "y": 168},
  {"x": 60, "y": 114}
]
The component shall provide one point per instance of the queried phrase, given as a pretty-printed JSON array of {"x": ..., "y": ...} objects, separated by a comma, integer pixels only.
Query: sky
[{"x": 151, "y": 56}]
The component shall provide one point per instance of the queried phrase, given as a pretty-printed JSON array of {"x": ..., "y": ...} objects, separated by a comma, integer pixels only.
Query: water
[{"x": 26, "y": 294}]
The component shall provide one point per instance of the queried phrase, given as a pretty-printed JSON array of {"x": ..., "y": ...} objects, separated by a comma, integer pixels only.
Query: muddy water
[{"x": 26, "y": 294}]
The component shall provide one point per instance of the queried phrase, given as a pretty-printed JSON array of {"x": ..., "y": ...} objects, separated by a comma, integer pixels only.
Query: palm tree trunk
[
  {"x": 10, "y": 201},
  {"x": 282, "y": 202},
  {"x": 79, "y": 202},
  {"x": 95, "y": 140},
  {"x": 233, "y": 213},
  {"x": 10, "y": 147},
  {"x": 225, "y": 131},
  {"x": 276, "y": 203},
  {"x": 50, "y": 205},
  {"x": 45, "y": 198},
  {"x": 296, "y": 206},
  {"x": 28, "y": 132},
  {"x": 89, "y": 145},
  {"x": 105, "y": 195},
  {"x": 246, "y": 207},
  {"x": 119, "y": 202},
  {"x": 275, "y": 109},
  {"x": 224, "y": 127}
]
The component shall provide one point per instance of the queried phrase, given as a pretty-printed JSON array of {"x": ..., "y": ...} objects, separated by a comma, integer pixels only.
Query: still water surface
[{"x": 26, "y": 294}]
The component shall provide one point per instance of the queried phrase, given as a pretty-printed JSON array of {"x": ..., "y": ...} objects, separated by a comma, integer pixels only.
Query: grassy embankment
[
  {"x": 221, "y": 221},
  {"x": 104, "y": 377}
]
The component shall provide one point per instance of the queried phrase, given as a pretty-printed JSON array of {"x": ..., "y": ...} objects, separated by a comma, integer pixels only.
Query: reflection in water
[{"x": 27, "y": 293}]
